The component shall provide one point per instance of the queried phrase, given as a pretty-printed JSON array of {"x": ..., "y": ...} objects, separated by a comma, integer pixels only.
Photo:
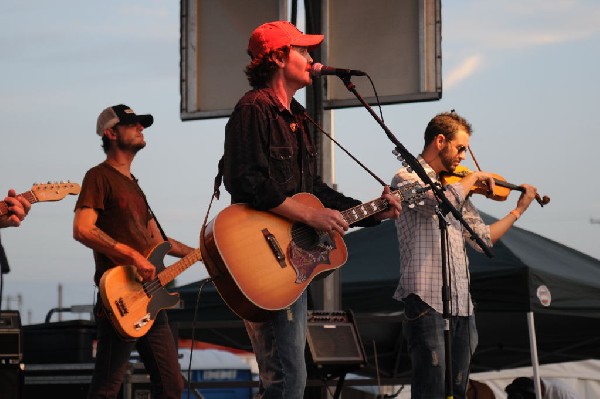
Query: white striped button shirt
[{"x": 419, "y": 244}]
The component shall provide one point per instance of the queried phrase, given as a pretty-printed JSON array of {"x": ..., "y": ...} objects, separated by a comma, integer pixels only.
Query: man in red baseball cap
[
  {"x": 275, "y": 35},
  {"x": 269, "y": 157}
]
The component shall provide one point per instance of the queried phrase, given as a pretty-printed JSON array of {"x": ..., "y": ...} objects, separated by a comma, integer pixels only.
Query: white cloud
[
  {"x": 496, "y": 28},
  {"x": 466, "y": 69}
]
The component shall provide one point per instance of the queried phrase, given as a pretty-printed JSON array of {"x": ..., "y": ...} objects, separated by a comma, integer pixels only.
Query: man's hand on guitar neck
[
  {"x": 331, "y": 220},
  {"x": 394, "y": 206},
  {"x": 18, "y": 208},
  {"x": 323, "y": 219}
]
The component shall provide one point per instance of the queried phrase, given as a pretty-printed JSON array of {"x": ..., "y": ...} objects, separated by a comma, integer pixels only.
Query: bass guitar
[
  {"x": 262, "y": 262},
  {"x": 45, "y": 192},
  {"x": 132, "y": 306}
]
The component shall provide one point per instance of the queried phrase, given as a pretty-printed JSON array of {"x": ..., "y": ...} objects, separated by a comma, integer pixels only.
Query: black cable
[{"x": 189, "y": 372}]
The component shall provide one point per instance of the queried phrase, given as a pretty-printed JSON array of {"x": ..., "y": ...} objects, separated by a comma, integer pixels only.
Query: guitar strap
[
  {"x": 162, "y": 232},
  {"x": 218, "y": 178},
  {"x": 216, "y": 193}
]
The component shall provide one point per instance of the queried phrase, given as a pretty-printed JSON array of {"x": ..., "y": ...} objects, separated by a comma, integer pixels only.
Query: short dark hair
[
  {"x": 446, "y": 123},
  {"x": 262, "y": 68},
  {"x": 106, "y": 141},
  {"x": 520, "y": 388}
]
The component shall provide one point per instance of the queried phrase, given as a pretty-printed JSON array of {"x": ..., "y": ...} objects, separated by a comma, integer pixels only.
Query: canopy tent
[{"x": 504, "y": 288}]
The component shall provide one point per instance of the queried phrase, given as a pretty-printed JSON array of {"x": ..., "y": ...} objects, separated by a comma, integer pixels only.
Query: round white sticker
[{"x": 543, "y": 294}]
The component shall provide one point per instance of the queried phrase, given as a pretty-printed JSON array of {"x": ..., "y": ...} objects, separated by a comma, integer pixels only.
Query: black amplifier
[
  {"x": 10, "y": 337},
  {"x": 333, "y": 343}
]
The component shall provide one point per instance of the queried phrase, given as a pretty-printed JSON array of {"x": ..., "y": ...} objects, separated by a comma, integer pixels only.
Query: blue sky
[{"x": 524, "y": 73}]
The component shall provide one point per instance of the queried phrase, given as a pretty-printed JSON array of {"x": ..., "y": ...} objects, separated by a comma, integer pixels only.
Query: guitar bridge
[
  {"x": 275, "y": 247},
  {"x": 121, "y": 307},
  {"x": 142, "y": 322}
]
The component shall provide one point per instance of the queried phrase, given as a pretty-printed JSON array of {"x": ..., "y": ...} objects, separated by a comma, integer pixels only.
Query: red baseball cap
[{"x": 274, "y": 35}]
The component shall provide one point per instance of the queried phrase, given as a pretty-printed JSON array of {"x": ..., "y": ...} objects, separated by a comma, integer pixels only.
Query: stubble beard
[
  {"x": 446, "y": 160},
  {"x": 134, "y": 148}
]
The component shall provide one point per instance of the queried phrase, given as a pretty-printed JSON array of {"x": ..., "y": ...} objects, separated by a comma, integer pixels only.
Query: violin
[{"x": 500, "y": 192}]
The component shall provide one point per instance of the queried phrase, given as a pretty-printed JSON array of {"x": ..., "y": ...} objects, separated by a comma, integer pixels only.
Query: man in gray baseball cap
[
  {"x": 113, "y": 218},
  {"x": 120, "y": 114}
]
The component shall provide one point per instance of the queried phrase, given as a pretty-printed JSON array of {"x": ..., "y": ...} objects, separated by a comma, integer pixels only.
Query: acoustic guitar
[
  {"x": 132, "y": 306},
  {"x": 261, "y": 262},
  {"x": 45, "y": 192}
]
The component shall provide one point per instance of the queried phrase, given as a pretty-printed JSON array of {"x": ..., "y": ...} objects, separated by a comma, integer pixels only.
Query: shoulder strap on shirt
[{"x": 162, "y": 232}]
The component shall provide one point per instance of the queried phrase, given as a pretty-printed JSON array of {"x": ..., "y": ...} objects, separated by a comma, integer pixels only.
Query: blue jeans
[
  {"x": 279, "y": 349},
  {"x": 158, "y": 353},
  {"x": 424, "y": 333}
]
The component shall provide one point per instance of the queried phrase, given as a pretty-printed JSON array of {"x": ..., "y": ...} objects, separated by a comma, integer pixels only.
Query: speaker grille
[{"x": 333, "y": 343}]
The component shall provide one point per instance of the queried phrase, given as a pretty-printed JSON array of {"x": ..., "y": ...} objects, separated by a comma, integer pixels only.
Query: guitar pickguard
[{"x": 308, "y": 249}]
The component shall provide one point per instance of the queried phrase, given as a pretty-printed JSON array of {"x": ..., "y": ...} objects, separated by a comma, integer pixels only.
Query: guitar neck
[
  {"x": 29, "y": 196},
  {"x": 169, "y": 274},
  {"x": 367, "y": 209}
]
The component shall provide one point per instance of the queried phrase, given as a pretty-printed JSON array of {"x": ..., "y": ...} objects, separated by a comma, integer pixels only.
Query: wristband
[{"x": 515, "y": 213}]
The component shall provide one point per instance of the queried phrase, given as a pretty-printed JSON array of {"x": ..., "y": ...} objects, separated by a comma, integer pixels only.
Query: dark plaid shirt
[{"x": 269, "y": 155}]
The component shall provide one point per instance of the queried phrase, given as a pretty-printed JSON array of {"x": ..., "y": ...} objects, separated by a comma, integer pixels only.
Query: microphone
[{"x": 317, "y": 70}]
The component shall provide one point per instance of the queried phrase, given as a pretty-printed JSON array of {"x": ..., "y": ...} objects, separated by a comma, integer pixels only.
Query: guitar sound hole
[{"x": 304, "y": 236}]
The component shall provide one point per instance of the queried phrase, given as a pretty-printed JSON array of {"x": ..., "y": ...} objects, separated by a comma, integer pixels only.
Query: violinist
[{"x": 420, "y": 287}]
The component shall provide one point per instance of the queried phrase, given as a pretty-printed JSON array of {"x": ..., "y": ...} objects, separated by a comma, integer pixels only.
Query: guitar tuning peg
[
  {"x": 408, "y": 169},
  {"x": 398, "y": 155}
]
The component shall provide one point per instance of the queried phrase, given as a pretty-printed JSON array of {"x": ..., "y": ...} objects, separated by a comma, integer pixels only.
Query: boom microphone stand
[{"x": 444, "y": 207}]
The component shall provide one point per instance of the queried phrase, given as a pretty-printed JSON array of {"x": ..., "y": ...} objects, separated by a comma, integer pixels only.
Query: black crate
[
  {"x": 60, "y": 342},
  {"x": 10, "y": 337}
]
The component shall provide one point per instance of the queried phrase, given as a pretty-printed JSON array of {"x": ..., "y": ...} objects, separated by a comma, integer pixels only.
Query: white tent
[{"x": 582, "y": 377}]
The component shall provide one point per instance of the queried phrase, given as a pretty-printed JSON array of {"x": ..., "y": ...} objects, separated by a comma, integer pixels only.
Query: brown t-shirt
[{"x": 122, "y": 211}]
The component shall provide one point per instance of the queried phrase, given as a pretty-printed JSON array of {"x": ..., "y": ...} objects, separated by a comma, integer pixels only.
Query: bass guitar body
[
  {"x": 262, "y": 262},
  {"x": 131, "y": 305}
]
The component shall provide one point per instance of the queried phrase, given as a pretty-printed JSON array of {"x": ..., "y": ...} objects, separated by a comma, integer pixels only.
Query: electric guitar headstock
[
  {"x": 46, "y": 192},
  {"x": 54, "y": 191}
]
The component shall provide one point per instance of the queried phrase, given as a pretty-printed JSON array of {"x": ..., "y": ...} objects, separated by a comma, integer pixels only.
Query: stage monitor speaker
[
  {"x": 333, "y": 344},
  {"x": 10, "y": 337}
]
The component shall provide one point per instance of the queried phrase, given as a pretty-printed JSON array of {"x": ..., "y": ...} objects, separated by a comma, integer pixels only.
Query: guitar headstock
[
  {"x": 54, "y": 191},
  {"x": 411, "y": 194}
]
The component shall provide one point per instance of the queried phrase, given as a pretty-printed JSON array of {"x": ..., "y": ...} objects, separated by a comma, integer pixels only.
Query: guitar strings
[{"x": 151, "y": 287}]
